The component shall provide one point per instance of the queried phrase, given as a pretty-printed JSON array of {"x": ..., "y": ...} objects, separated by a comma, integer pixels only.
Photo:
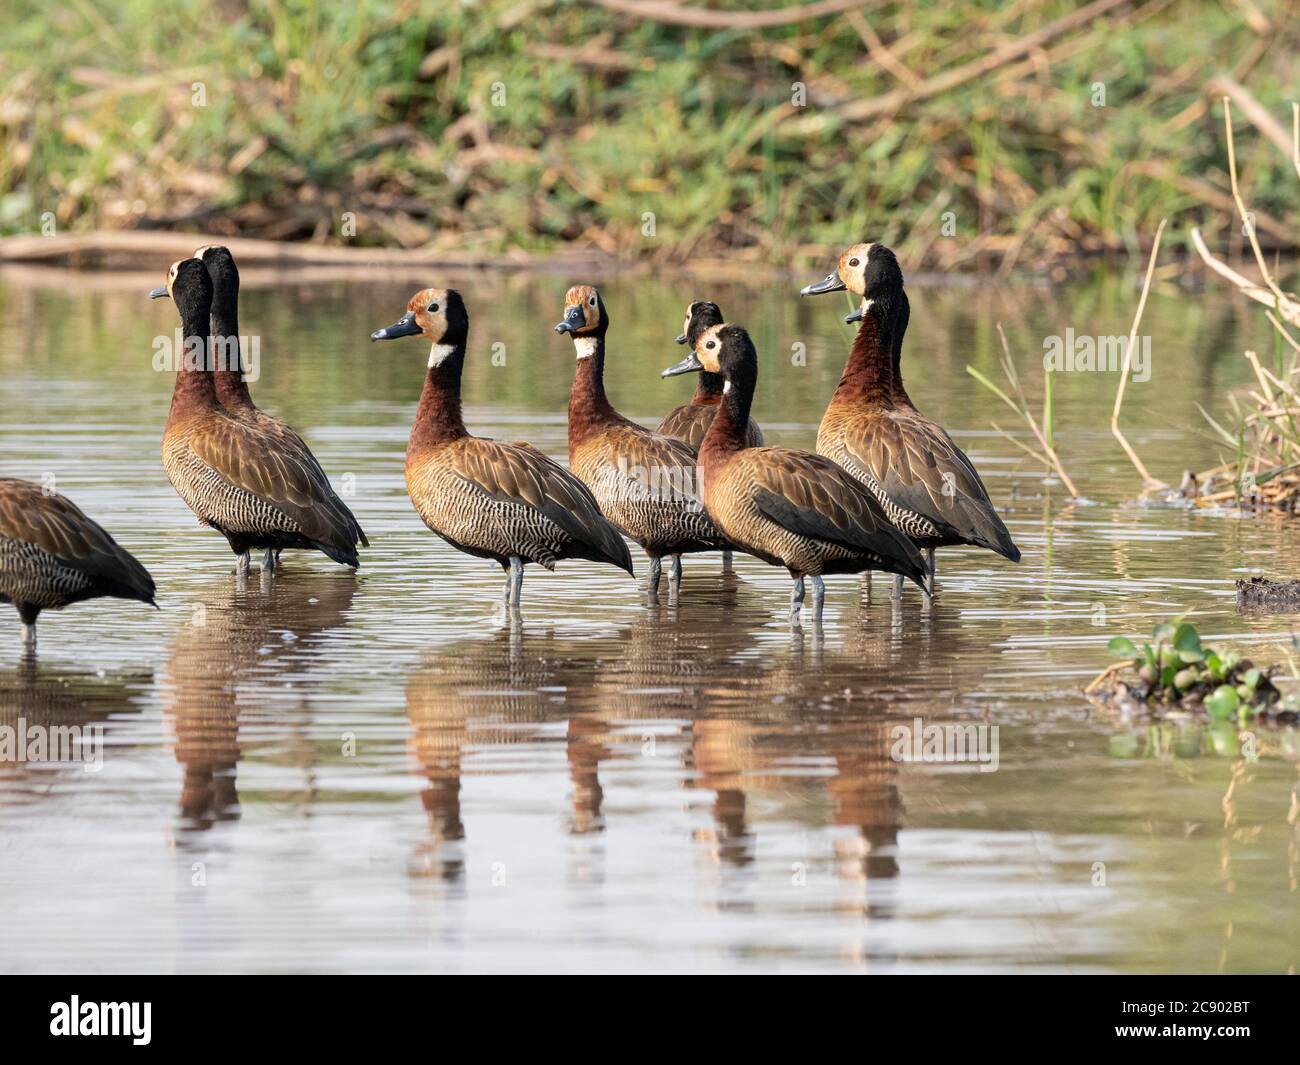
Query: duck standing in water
[
  {"x": 232, "y": 388},
  {"x": 52, "y": 555},
  {"x": 925, "y": 482},
  {"x": 492, "y": 499},
  {"x": 645, "y": 482},
  {"x": 691, "y": 421},
  {"x": 236, "y": 475},
  {"x": 788, "y": 507}
]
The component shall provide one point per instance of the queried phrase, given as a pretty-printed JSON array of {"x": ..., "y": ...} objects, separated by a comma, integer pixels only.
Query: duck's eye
[
  {"x": 433, "y": 308},
  {"x": 854, "y": 262},
  {"x": 592, "y": 301},
  {"x": 711, "y": 345}
]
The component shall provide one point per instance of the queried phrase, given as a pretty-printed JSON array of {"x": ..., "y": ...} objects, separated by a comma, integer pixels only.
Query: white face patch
[
  {"x": 584, "y": 346},
  {"x": 439, "y": 353},
  {"x": 867, "y": 305},
  {"x": 726, "y": 387}
]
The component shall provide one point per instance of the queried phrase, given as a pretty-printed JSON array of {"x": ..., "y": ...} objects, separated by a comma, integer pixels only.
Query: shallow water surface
[{"x": 328, "y": 771}]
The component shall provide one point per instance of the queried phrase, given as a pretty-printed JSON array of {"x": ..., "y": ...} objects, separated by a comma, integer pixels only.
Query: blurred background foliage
[{"x": 973, "y": 132}]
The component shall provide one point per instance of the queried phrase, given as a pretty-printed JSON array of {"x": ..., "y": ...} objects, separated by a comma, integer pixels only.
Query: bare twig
[
  {"x": 1255, "y": 112},
  {"x": 1147, "y": 480},
  {"x": 1288, "y": 308},
  {"x": 998, "y": 57},
  {"x": 677, "y": 15}
]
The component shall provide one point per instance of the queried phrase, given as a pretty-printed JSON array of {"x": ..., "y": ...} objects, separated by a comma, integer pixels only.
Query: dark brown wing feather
[
  {"x": 921, "y": 469},
  {"x": 59, "y": 528},
  {"x": 927, "y": 472},
  {"x": 689, "y": 422},
  {"x": 812, "y": 496},
  {"x": 519, "y": 473},
  {"x": 250, "y": 458},
  {"x": 290, "y": 439}
]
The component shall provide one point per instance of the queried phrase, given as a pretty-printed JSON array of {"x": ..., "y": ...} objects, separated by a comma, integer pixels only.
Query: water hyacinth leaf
[
  {"x": 1167, "y": 676},
  {"x": 1214, "y": 664},
  {"x": 1122, "y": 647},
  {"x": 1223, "y": 702},
  {"x": 1251, "y": 679},
  {"x": 1163, "y": 632},
  {"x": 1186, "y": 638},
  {"x": 1191, "y": 656}
]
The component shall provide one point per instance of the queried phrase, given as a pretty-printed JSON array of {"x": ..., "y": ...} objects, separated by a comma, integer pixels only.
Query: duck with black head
[
  {"x": 237, "y": 477},
  {"x": 645, "y": 482},
  {"x": 232, "y": 386},
  {"x": 925, "y": 482},
  {"x": 52, "y": 555},
  {"x": 489, "y": 498},
  {"x": 691, "y": 421},
  {"x": 790, "y": 508}
]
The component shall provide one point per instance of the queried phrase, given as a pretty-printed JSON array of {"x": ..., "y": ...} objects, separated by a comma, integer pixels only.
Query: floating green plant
[{"x": 1176, "y": 671}]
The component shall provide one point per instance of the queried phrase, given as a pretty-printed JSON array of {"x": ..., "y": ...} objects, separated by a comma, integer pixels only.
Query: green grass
[{"x": 385, "y": 109}]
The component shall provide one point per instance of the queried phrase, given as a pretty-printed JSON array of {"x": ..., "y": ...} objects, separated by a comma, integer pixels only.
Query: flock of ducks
[{"x": 885, "y": 487}]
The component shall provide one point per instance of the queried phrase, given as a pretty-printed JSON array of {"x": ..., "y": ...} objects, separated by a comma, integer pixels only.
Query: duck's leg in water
[
  {"x": 796, "y": 598},
  {"x": 819, "y": 596}
]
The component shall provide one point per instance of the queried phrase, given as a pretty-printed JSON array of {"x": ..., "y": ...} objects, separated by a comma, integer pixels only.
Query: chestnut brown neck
[
  {"x": 708, "y": 389},
  {"x": 194, "y": 391},
  {"x": 868, "y": 375},
  {"x": 589, "y": 408},
  {"x": 727, "y": 432},
  {"x": 901, "y": 316},
  {"x": 438, "y": 417},
  {"x": 227, "y": 372}
]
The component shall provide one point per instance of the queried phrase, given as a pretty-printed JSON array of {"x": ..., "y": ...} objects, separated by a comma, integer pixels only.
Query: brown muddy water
[{"x": 326, "y": 772}]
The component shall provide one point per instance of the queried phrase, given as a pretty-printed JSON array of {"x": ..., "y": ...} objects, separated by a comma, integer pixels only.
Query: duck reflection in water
[
  {"x": 233, "y": 660},
  {"x": 74, "y": 711},
  {"x": 739, "y": 709}
]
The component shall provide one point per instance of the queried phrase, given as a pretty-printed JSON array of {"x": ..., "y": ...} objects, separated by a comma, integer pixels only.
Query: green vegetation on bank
[{"x": 957, "y": 132}]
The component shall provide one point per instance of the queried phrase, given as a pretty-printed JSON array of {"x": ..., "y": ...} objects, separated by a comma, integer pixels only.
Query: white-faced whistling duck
[
  {"x": 691, "y": 421},
  {"x": 928, "y": 486},
  {"x": 52, "y": 555},
  {"x": 492, "y": 499},
  {"x": 236, "y": 476},
  {"x": 232, "y": 389},
  {"x": 788, "y": 507},
  {"x": 645, "y": 482}
]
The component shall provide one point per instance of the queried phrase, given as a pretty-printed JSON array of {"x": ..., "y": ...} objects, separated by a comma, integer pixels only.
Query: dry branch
[
  {"x": 675, "y": 15},
  {"x": 1147, "y": 480}
]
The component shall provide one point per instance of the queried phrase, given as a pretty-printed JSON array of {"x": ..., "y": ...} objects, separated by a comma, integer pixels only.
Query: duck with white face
[
  {"x": 928, "y": 486},
  {"x": 645, "y": 482},
  {"x": 238, "y": 477},
  {"x": 507, "y": 502},
  {"x": 691, "y": 421},
  {"x": 232, "y": 386},
  {"x": 789, "y": 507}
]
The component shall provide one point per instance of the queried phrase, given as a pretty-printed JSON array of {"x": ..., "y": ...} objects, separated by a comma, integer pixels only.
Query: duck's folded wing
[
  {"x": 58, "y": 527},
  {"x": 298, "y": 447},
  {"x": 252, "y": 459},
  {"x": 518, "y": 473},
  {"x": 812, "y": 496},
  {"x": 688, "y": 423},
  {"x": 921, "y": 468}
]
